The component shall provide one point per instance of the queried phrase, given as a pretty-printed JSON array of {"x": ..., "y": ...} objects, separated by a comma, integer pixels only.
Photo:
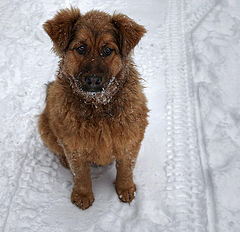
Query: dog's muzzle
[{"x": 93, "y": 83}]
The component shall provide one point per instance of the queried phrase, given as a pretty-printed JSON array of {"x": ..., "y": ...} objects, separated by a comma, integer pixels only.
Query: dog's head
[{"x": 93, "y": 48}]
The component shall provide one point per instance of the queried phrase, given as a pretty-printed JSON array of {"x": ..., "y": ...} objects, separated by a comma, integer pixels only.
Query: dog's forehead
[
  {"x": 95, "y": 25},
  {"x": 96, "y": 21},
  {"x": 86, "y": 35}
]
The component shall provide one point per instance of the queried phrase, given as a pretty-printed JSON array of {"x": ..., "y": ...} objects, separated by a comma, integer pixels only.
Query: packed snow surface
[{"x": 188, "y": 169}]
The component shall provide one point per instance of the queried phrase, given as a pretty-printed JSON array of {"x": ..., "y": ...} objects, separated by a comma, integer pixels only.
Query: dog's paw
[
  {"x": 126, "y": 195},
  {"x": 83, "y": 201}
]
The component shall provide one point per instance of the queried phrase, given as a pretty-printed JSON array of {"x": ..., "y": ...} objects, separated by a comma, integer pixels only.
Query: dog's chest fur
[{"x": 99, "y": 134}]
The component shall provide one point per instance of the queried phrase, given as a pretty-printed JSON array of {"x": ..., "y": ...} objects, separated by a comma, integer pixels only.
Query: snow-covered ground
[
  {"x": 216, "y": 46},
  {"x": 188, "y": 170}
]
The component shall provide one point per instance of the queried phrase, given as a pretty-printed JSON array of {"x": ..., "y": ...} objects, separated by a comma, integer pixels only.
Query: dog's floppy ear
[
  {"x": 129, "y": 32},
  {"x": 60, "y": 28}
]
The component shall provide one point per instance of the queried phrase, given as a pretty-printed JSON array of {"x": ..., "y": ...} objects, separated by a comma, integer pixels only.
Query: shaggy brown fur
[{"x": 85, "y": 126}]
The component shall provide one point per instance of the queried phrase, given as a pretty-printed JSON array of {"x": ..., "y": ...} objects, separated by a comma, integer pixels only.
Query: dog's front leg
[
  {"x": 125, "y": 186},
  {"x": 82, "y": 194}
]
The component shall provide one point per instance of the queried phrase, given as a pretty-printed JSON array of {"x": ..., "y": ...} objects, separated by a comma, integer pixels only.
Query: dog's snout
[{"x": 93, "y": 81}]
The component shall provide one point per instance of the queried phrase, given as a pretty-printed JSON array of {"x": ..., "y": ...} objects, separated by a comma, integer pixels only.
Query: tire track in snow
[
  {"x": 185, "y": 168},
  {"x": 192, "y": 23}
]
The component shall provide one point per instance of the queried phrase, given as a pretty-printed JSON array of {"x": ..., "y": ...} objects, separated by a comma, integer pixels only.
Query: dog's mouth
[
  {"x": 96, "y": 94},
  {"x": 98, "y": 89},
  {"x": 92, "y": 89},
  {"x": 92, "y": 83}
]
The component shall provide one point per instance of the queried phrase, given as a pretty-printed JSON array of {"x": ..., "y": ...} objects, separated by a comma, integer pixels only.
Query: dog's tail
[{"x": 47, "y": 90}]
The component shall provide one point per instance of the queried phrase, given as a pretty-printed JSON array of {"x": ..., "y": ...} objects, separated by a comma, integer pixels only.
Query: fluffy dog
[{"x": 95, "y": 109}]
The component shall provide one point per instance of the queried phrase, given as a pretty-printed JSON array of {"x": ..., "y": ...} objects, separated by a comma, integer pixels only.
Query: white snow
[
  {"x": 216, "y": 46},
  {"x": 188, "y": 170}
]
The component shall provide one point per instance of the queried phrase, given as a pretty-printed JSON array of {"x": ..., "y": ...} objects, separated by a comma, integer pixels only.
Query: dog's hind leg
[{"x": 50, "y": 140}]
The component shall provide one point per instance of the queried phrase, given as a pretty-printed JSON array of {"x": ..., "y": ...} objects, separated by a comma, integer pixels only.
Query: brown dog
[{"x": 95, "y": 109}]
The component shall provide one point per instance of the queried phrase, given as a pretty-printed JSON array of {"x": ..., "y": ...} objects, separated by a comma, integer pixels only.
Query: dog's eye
[
  {"x": 107, "y": 51},
  {"x": 82, "y": 49}
]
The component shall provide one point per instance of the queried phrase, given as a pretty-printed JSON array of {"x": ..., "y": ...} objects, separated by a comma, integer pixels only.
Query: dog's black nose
[{"x": 93, "y": 81}]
